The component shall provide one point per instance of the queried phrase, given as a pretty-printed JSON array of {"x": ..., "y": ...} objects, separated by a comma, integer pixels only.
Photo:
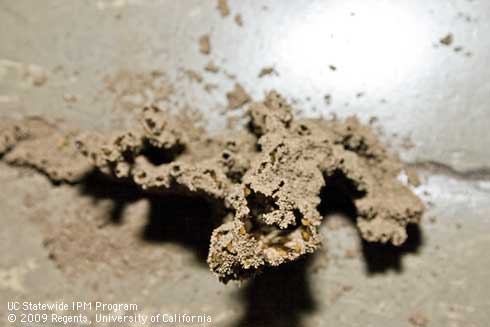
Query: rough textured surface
[
  {"x": 237, "y": 97},
  {"x": 38, "y": 144},
  {"x": 10, "y": 134},
  {"x": 276, "y": 205},
  {"x": 273, "y": 192},
  {"x": 428, "y": 94},
  {"x": 205, "y": 44},
  {"x": 162, "y": 154}
]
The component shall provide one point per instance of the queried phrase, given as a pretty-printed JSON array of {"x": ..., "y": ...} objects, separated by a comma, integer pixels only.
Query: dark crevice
[
  {"x": 260, "y": 204},
  {"x": 298, "y": 216},
  {"x": 337, "y": 196},
  {"x": 158, "y": 156}
]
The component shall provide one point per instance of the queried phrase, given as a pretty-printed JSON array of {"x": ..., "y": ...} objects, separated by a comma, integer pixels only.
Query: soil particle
[
  {"x": 237, "y": 97},
  {"x": 223, "y": 8},
  {"x": 267, "y": 71},
  {"x": 239, "y": 20},
  {"x": 447, "y": 40},
  {"x": 209, "y": 87},
  {"x": 205, "y": 44},
  {"x": 193, "y": 75},
  {"x": 211, "y": 67}
]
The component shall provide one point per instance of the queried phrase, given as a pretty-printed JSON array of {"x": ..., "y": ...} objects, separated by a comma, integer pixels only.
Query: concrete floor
[{"x": 378, "y": 59}]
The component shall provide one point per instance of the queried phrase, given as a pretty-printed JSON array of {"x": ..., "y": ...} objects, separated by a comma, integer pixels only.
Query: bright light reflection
[{"x": 377, "y": 45}]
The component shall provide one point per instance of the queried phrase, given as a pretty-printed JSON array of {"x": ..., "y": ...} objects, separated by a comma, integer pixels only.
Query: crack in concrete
[{"x": 474, "y": 175}]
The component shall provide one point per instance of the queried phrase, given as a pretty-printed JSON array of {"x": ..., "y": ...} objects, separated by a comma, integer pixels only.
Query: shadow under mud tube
[
  {"x": 279, "y": 297},
  {"x": 188, "y": 221},
  {"x": 380, "y": 258},
  {"x": 180, "y": 219},
  {"x": 338, "y": 198}
]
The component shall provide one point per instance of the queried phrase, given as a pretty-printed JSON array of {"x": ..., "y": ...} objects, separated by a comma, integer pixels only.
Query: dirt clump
[
  {"x": 267, "y": 71},
  {"x": 239, "y": 20},
  {"x": 269, "y": 181},
  {"x": 276, "y": 205},
  {"x": 11, "y": 132},
  {"x": 193, "y": 75},
  {"x": 223, "y": 8},
  {"x": 205, "y": 44},
  {"x": 447, "y": 40},
  {"x": 37, "y": 144},
  {"x": 237, "y": 97},
  {"x": 211, "y": 67}
]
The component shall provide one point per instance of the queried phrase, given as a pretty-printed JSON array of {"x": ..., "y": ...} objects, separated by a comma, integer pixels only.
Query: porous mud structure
[{"x": 266, "y": 180}]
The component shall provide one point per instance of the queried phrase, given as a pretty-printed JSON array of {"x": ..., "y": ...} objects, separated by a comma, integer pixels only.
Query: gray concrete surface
[{"x": 430, "y": 101}]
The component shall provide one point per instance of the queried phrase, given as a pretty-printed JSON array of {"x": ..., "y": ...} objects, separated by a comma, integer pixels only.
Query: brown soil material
[
  {"x": 211, "y": 67},
  {"x": 269, "y": 182},
  {"x": 237, "y": 97},
  {"x": 10, "y": 134},
  {"x": 239, "y": 20},
  {"x": 82, "y": 241},
  {"x": 223, "y": 8},
  {"x": 205, "y": 44},
  {"x": 37, "y": 144},
  {"x": 193, "y": 75},
  {"x": 447, "y": 40},
  {"x": 267, "y": 71}
]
